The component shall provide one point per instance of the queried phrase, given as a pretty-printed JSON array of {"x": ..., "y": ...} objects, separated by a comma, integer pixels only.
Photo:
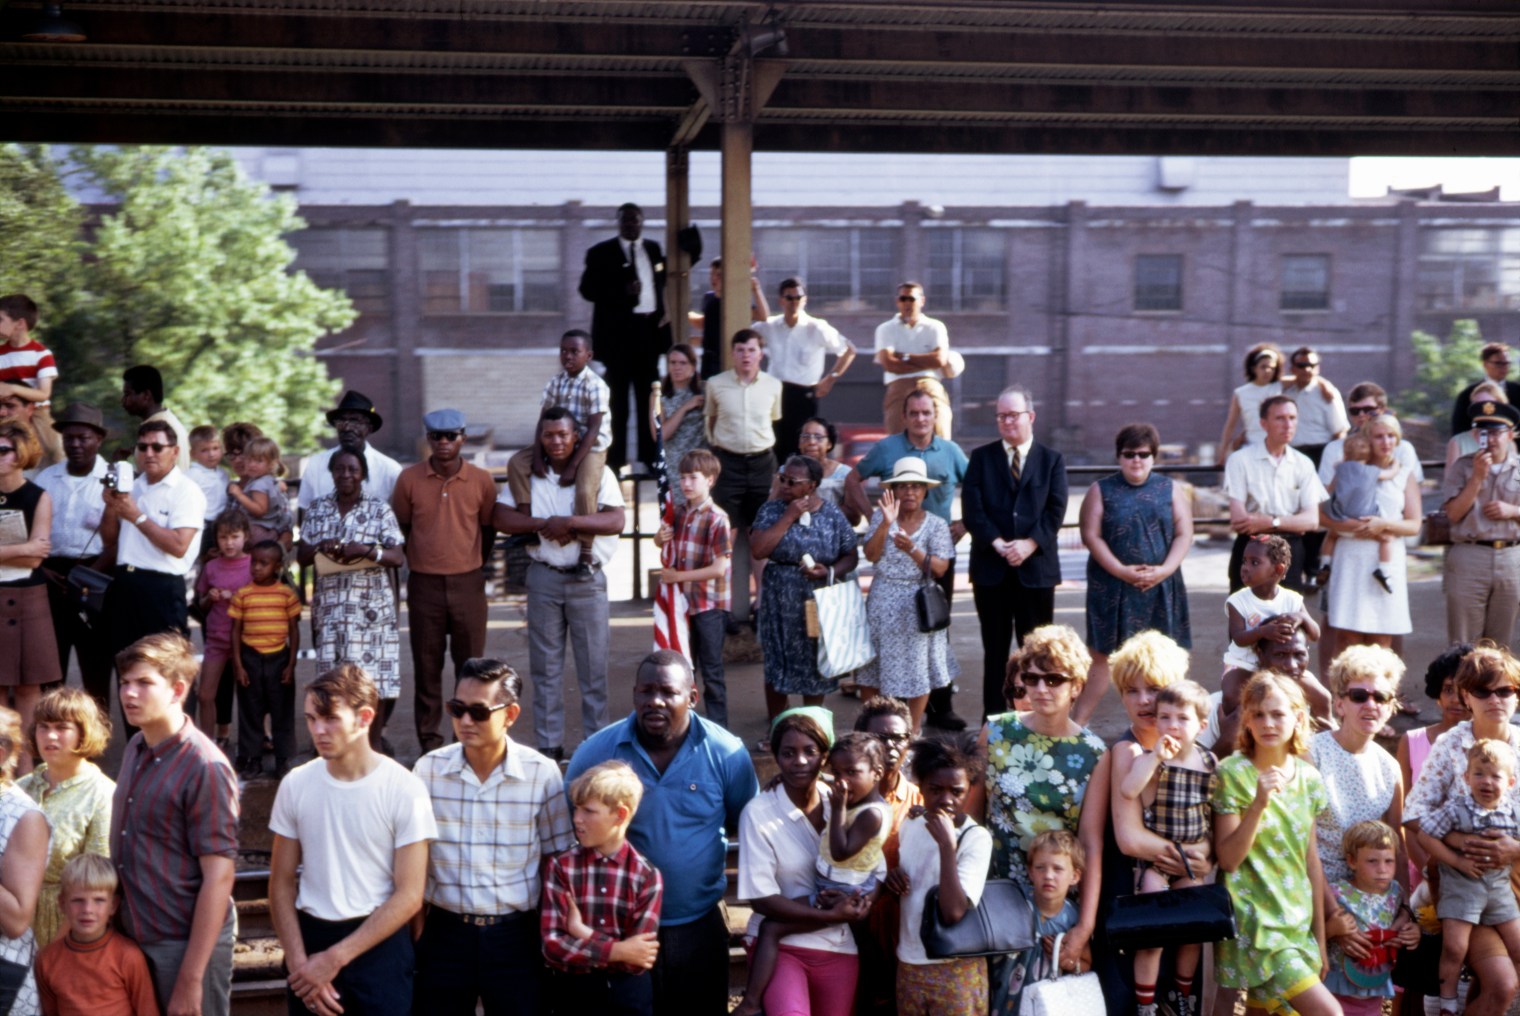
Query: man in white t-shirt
[
  {"x": 355, "y": 419},
  {"x": 357, "y": 825},
  {"x": 565, "y": 605}
]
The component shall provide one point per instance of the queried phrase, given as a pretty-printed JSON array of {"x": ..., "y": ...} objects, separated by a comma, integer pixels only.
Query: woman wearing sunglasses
[
  {"x": 28, "y": 655},
  {"x": 1489, "y": 679},
  {"x": 1137, "y": 527},
  {"x": 1039, "y": 763}
]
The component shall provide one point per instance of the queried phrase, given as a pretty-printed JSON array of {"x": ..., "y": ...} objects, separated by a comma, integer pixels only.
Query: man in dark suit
[
  {"x": 625, "y": 282},
  {"x": 1496, "y": 370},
  {"x": 1013, "y": 502}
]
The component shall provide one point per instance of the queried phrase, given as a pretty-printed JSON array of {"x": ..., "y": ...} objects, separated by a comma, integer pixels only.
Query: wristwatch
[
  {"x": 378, "y": 551},
  {"x": 140, "y": 520},
  {"x": 1276, "y": 522}
]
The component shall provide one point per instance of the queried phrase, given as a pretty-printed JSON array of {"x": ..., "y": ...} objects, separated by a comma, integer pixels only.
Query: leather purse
[
  {"x": 87, "y": 588},
  {"x": 1001, "y": 922},
  {"x": 933, "y": 607},
  {"x": 1435, "y": 529},
  {"x": 1185, "y": 916}
]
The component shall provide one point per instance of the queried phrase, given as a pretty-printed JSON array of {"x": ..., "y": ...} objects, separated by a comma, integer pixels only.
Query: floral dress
[
  {"x": 688, "y": 436},
  {"x": 791, "y": 658},
  {"x": 909, "y": 662},
  {"x": 354, "y": 612},
  {"x": 1034, "y": 782},
  {"x": 79, "y": 812},
  {"x": 1374, "y": 915}
]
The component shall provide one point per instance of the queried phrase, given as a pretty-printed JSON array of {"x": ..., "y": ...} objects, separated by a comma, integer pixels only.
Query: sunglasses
[
  {"x": 445, "y": 435},
  {"x": 1306, "y": 363},
  {"x": 907, "y": 299},
  {"x": 1361, "y": 695},
  {"x": 148, "y": 446},
  {"x": 474, "y": 710},
  {"x": 1487, "y": 693},
  {"x": 791, "y": 481},
  {"x": 1048, "y": 680},
  {"x": 1362, "y": 410},
  {"x": 6, "y": 449},
  {"x": 1147, "y": 453}
]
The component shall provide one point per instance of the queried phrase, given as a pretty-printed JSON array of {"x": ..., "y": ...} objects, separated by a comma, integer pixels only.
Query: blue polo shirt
[
  {"x": 943, "y": 460},
  {"x": 680, "y": 823}
]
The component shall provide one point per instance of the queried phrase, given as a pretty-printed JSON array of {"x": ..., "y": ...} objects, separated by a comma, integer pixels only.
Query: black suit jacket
[
  {"x": 1459, "y": 420},
  {"x": 992, "y": 509},
  {"x": 605, "y": 284}
]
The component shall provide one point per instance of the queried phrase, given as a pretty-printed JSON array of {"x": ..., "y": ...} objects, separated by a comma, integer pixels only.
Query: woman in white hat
[{"x": 909, "y": 547}]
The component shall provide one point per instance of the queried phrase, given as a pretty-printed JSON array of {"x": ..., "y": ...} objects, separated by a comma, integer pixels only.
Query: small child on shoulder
[
  {"x": 602, "y": 945},
  {"x": 1354, "y": 497},
  {"x": 1374, "y": 900},
  {"x": 1174, "y": 784},
  {"x": 93, "y": 969}
]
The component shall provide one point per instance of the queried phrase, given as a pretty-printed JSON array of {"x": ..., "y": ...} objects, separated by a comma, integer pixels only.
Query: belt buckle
[
  {"x": 1497, "y": 544},
  {"x": 478, "y": 920}
]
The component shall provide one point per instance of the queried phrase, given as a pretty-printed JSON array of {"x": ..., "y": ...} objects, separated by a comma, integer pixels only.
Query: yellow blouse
[{"x": 79, "y": 812}]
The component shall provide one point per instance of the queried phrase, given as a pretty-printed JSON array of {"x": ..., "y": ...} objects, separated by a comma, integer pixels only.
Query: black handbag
[
  {"x": 1001, "y": 922},
  {"x": 1186, "y": 916},
  {"x": 87, "y": 588},
  {"x": 933, "y": 608}
]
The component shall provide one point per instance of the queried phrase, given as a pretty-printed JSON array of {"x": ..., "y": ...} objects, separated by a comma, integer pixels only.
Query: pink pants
[
  {"x": 812, "y": 982},
  {"x": 1360, "y": 1006}
]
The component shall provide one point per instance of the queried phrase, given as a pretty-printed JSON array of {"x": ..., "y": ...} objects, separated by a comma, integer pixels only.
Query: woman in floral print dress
[{"x": 1039, "y": 772}]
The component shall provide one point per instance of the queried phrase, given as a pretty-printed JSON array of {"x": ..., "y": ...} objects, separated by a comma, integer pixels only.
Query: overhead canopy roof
[{"x": 1276, "y": 76}]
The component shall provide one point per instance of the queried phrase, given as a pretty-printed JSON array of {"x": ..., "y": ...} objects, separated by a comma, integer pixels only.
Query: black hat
[
  {"x": 78, "y": 412},
  {"x": 1493, "y": 413},
  {"x": 357, "y": 402}
]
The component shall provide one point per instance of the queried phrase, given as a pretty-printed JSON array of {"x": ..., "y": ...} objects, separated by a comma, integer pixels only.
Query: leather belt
[{"x": 1491, "y": 544}]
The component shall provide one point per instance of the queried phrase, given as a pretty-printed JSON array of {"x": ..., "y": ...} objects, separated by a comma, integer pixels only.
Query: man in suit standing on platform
[
  {"x": 625, "y": 282},
  {"x": 1013, "y": 502}
]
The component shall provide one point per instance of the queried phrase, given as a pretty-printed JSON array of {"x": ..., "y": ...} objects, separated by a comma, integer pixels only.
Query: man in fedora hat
[
  {"x": 355, "y": 419},
  {"x": 1482, "y": 493},
  {"x": 75, "y": 486}
]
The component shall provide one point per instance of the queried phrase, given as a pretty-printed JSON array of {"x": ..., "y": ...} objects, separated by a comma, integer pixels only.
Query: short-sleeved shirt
[
  {"x": 174, "y": 502},
  {"x": 680, "y": 823},
  {"x": 78, "y": 506},
  {"x": 493, "y": 836},
  {"x": 1463, "y": 814},
  {"x": 1501, "y": 484},
  {"x": 349, "y": 832},
  {"x": 926, "y": 336},
  {"x": 778, "y": 856},
  {"x": 1335, "y": 453},
  {"x": 175, "y": 802},
  {"x": 266, "y": 613},
  {"x": 444, "y": 517},
  {"x": 739, "y": 416},
  {"x": 548, "y": 499},
  {"x": 919, "y": 858},
  {"x": 1359, "y": 787},
  {"x": 1443, "y": 776},
  {"x": 702, "y": 536},
  {"x": 27, "y": 364},
  {"x": 797, "y": 352},
  {"x": 943, "y": 461},
  {"x": 1253, "y": 610},
  {"x": 316, "y": 480},
  {"x": 584, "y": 394},
  {"x": 1318, "y": 421},
  {"x": 1284, "y": 486},
  {"x": 213, "y": 484}
]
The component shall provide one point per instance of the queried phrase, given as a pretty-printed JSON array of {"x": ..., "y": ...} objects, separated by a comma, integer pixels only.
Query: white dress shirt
[
  {"x": 174, "y": 502},
  {"x": 639, "y": 255},
  {"x": 550, "y": 499},
  {"x": 797, "y": 353},
  {"x": 78, "y": 505}
]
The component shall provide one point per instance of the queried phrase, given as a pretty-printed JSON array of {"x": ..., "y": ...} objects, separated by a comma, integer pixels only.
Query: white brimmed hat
[{"x": 909, "y": 469}]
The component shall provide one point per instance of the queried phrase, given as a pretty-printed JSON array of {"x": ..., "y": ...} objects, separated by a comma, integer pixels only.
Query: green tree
[
  {"x": 1443, "y": 369},
  {"x": 39, "y": 230}
]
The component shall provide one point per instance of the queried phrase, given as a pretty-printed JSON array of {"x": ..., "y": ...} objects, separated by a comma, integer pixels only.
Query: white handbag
[
  {"x": 844, "y": 635},
  {"x": 1062, "y": 996}
]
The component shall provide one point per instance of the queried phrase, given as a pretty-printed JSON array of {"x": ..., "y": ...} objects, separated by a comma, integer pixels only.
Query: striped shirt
[
  {"x": 618, "y": 897},
  {"x": 175, "y": 803},
  {"x": 702, "y": 536},
  {"x": 492, "y": 836},
  {"x": 583, "y": 394},
  {"x": 26, "y": 365},
  {"x": 266, "y": 613}
]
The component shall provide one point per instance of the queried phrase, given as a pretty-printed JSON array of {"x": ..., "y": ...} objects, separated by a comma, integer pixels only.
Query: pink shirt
[{"x": 229, "y": 574}]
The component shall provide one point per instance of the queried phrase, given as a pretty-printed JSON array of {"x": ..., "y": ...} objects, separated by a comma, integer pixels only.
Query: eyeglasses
[
  {"x": 1132, "y": 454},
  {"x": 1048, "y": 680},
  {"x": 895, "y": 738},
  {"x": 806, "y": 436},
  {"x": 1361, "y": 695},
  {"x": 1011, "y": 417},
  {"x": 148, "y": 446},
  {"x": 1305, "y": 363},
  {"x": 474, "y": 710},
  {"x": 1508, "y": 691},
  {"x": 1361, "y": 410},
  {"x": 7, "y": 450},
  {"x": 1499, "y": 362},
  {"x": 792, "y": 296},
  {"x": 791, "y": 481},
  {"x": 907, "y": 299},
  {"x": 445, "y": 435}
]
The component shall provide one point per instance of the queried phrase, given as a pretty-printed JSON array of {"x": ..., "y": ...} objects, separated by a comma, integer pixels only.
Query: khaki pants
[
  {"x": 897, "y": 391},
  {"x": 1482, "y": 585},
  {"x": 51, "y": 440}
]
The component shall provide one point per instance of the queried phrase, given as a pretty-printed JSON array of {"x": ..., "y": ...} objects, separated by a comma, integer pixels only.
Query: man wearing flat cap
[
  {"x": 355, "y": 419},
  {"x": 75, "y": 485},
  {"x": 1482, "y": 492},
  {"x": 444, "y": 505}
]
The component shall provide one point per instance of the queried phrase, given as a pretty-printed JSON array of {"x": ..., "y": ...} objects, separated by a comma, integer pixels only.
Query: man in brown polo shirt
[{"x": 444, "y": 505}]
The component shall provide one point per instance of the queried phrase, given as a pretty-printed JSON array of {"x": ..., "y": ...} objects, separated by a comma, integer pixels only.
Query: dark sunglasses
[
  {"x": 1487, "y": 693},
  {"x": 474, "y": 710},
  {"x": 1361, "y": 410},
  {"x": 907, "y": 299},
  {"x": 1361, "y": 695},
  {"x": 6, "y": 449},
  {"x": 148, "y": 446},
  {"x": 1048, "y": 680},
  {"x": 445, "y": 435},
  {"x": 1145, "y": 454},
  {"x": 1306, "y": 363}
]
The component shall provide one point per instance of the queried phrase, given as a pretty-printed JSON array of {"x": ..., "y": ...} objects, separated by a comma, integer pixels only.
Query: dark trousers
[
  {"x": 444, "y": 611},
  {"x": 1005, "y": 610},
  {"x": 691, "y": 975},
  {"x": 609, "y": 992},
  {"x": 72, "y": 632},
  {"x": 1294, "y": 580},
  {"x": 501, "y": 966},
  {"x": 798, "y": 403},
  {"x": 1314, "y": 540},
  {"x": 265, "y": 694},
  {"x": 636, "y": 363},
  {"x": 942, "y": 700},
  {"x": 707, "y": 632},
  {"x": 743, "y": 485},
  {"x": 376, "y": 983},
  {"x": 141, "y": 603}
]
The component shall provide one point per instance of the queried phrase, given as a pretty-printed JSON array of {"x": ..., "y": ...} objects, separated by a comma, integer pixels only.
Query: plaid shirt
[
  {"x": 1465, "y": 815},
  {"x": 618, "y": 897},
  {"x": 583, "y": 394},
  {"x": 492, "y": 836},
  {"x": 702, "y": 536},
  {"x": 1181, "y": 812}
]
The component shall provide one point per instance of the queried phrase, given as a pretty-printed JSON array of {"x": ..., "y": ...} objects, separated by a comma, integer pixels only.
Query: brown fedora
[{"x": 78, "y": 412}]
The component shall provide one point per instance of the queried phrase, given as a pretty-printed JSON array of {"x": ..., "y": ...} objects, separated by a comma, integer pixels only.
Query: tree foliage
[
  {"x": 1443, "y": 369},
  {"x": 185, "y": 267}
]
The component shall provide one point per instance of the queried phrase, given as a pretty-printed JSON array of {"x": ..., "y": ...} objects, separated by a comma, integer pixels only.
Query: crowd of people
[{"x": 549, "y": 877}]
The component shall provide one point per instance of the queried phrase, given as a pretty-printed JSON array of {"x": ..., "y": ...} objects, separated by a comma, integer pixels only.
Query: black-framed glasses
[
  {"x": 1361, "y": 695},
  {"x": 1508, "y": 691},
  {"x": 6, "y": 449},
  {"x": 1305, "y": 363},
  {"x": 477, "y": 711},
  {"x": 445, "y": 435},
  {"x": 1361, "y": 410},
  {"x": 1048, "y": 680},
  {"x": 907, "y": 299},
  {"x": 149, "y": 446},
  {"x": 1131, "y": 453}
]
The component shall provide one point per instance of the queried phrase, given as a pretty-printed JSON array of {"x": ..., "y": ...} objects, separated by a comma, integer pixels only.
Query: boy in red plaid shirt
[
  {"x": 704, "y": 550},
  {"x": 601, "y": 907}
]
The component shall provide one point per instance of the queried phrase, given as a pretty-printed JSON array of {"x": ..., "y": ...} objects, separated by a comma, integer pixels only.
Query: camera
[{"x": 118, "y": 477}]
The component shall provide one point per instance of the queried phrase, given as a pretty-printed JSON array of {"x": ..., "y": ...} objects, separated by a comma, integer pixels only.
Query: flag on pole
[{"x": 670, "y": 629}]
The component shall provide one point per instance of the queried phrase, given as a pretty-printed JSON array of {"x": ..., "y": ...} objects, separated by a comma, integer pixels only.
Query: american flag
[{"x": 670, "y": 630}]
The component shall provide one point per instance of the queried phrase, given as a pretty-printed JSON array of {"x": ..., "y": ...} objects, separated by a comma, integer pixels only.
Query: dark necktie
[{"x": 1013, "y": 467}]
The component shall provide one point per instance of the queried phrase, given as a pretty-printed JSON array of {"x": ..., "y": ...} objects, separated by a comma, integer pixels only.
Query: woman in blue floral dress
[{"x": 1039, "y": 767}]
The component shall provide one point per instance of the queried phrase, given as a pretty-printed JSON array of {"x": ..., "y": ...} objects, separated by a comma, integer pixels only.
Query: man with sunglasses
[
  {"x": 1321, "y": 410},
  {"x": 1482, "y": 492},
  {"x": 444, "y": 505},
  {"x": 1366, "y": 402},
  {"x": 914, "y": 350},
  {"x": 155, "y": 527},
  {"x": 1496, "y": 364},
  {"x": 798, "y": 344},
  {"x": 483, "y": 887}
]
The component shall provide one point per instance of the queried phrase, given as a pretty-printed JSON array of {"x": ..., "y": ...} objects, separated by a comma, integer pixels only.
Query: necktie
[{"x": 1013, "y": 467}]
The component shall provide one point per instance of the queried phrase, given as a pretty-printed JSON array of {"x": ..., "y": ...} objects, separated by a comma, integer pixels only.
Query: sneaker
[{"x": 1177, "y": 1005}]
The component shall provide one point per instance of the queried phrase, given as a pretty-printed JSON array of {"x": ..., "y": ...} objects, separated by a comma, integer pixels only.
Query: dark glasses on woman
[
  {"x": 1361, "y": 695},
  {"x": 1048, "y": 680},
  {"x": 1508, "y": 691},
  {"x": 476, "y": 711}
]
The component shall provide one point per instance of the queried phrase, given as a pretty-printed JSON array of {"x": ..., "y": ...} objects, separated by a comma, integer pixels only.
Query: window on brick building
[
  {"x": 1305, "y": 282},
  {"x": 1469, "y": 269},
  {"x": 967, "y": 269},
  {"x": 489, "y": 271},
  {"x": 845, "y": 269},
  {"x": 355, "y": 259},
  {"x": 1158, "y": 282}
]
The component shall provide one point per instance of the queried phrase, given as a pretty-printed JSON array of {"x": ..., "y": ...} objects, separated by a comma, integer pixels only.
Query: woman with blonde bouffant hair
[
  {"x": 68, "y": 730},
  {"x": 23, "y": 857}
]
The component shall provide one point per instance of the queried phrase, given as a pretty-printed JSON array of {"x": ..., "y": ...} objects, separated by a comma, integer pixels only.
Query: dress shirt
[
  {"x": 778, "y": 849},
  {"x": 1023, "y": 450},
  {"x": 443, "y": 516},
  {"x": 739, "y": 416},
  {"x": 1284, "y": 486},
  {"x": 639, "y": 256},
  {"x": 78, "y": 504},
  {"x": 797, "y": 353},
  {"x": 1318, "y": 421},
  {"x": 213, "y": 484},
  {"x": 492, "y": 836},
  {"x": 316, "y": 481},
  {"x": 549, "y": 499},
  {"x": 1501, "y": 484},
  {"x": 174, "y": 502},
  {"x": 925, "y": 337}
]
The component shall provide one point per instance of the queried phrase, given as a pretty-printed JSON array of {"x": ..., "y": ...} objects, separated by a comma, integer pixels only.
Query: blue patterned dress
[
  {"x": 1138, "y": 527},
  {"x": 688, "y": 436},
  {"x": 791, "y": 658}
]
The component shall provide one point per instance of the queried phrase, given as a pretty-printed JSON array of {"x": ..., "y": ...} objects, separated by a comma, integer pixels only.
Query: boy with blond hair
[
  {"x": 93, "y": 970},
  {"x": 607, "y": 967}
]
